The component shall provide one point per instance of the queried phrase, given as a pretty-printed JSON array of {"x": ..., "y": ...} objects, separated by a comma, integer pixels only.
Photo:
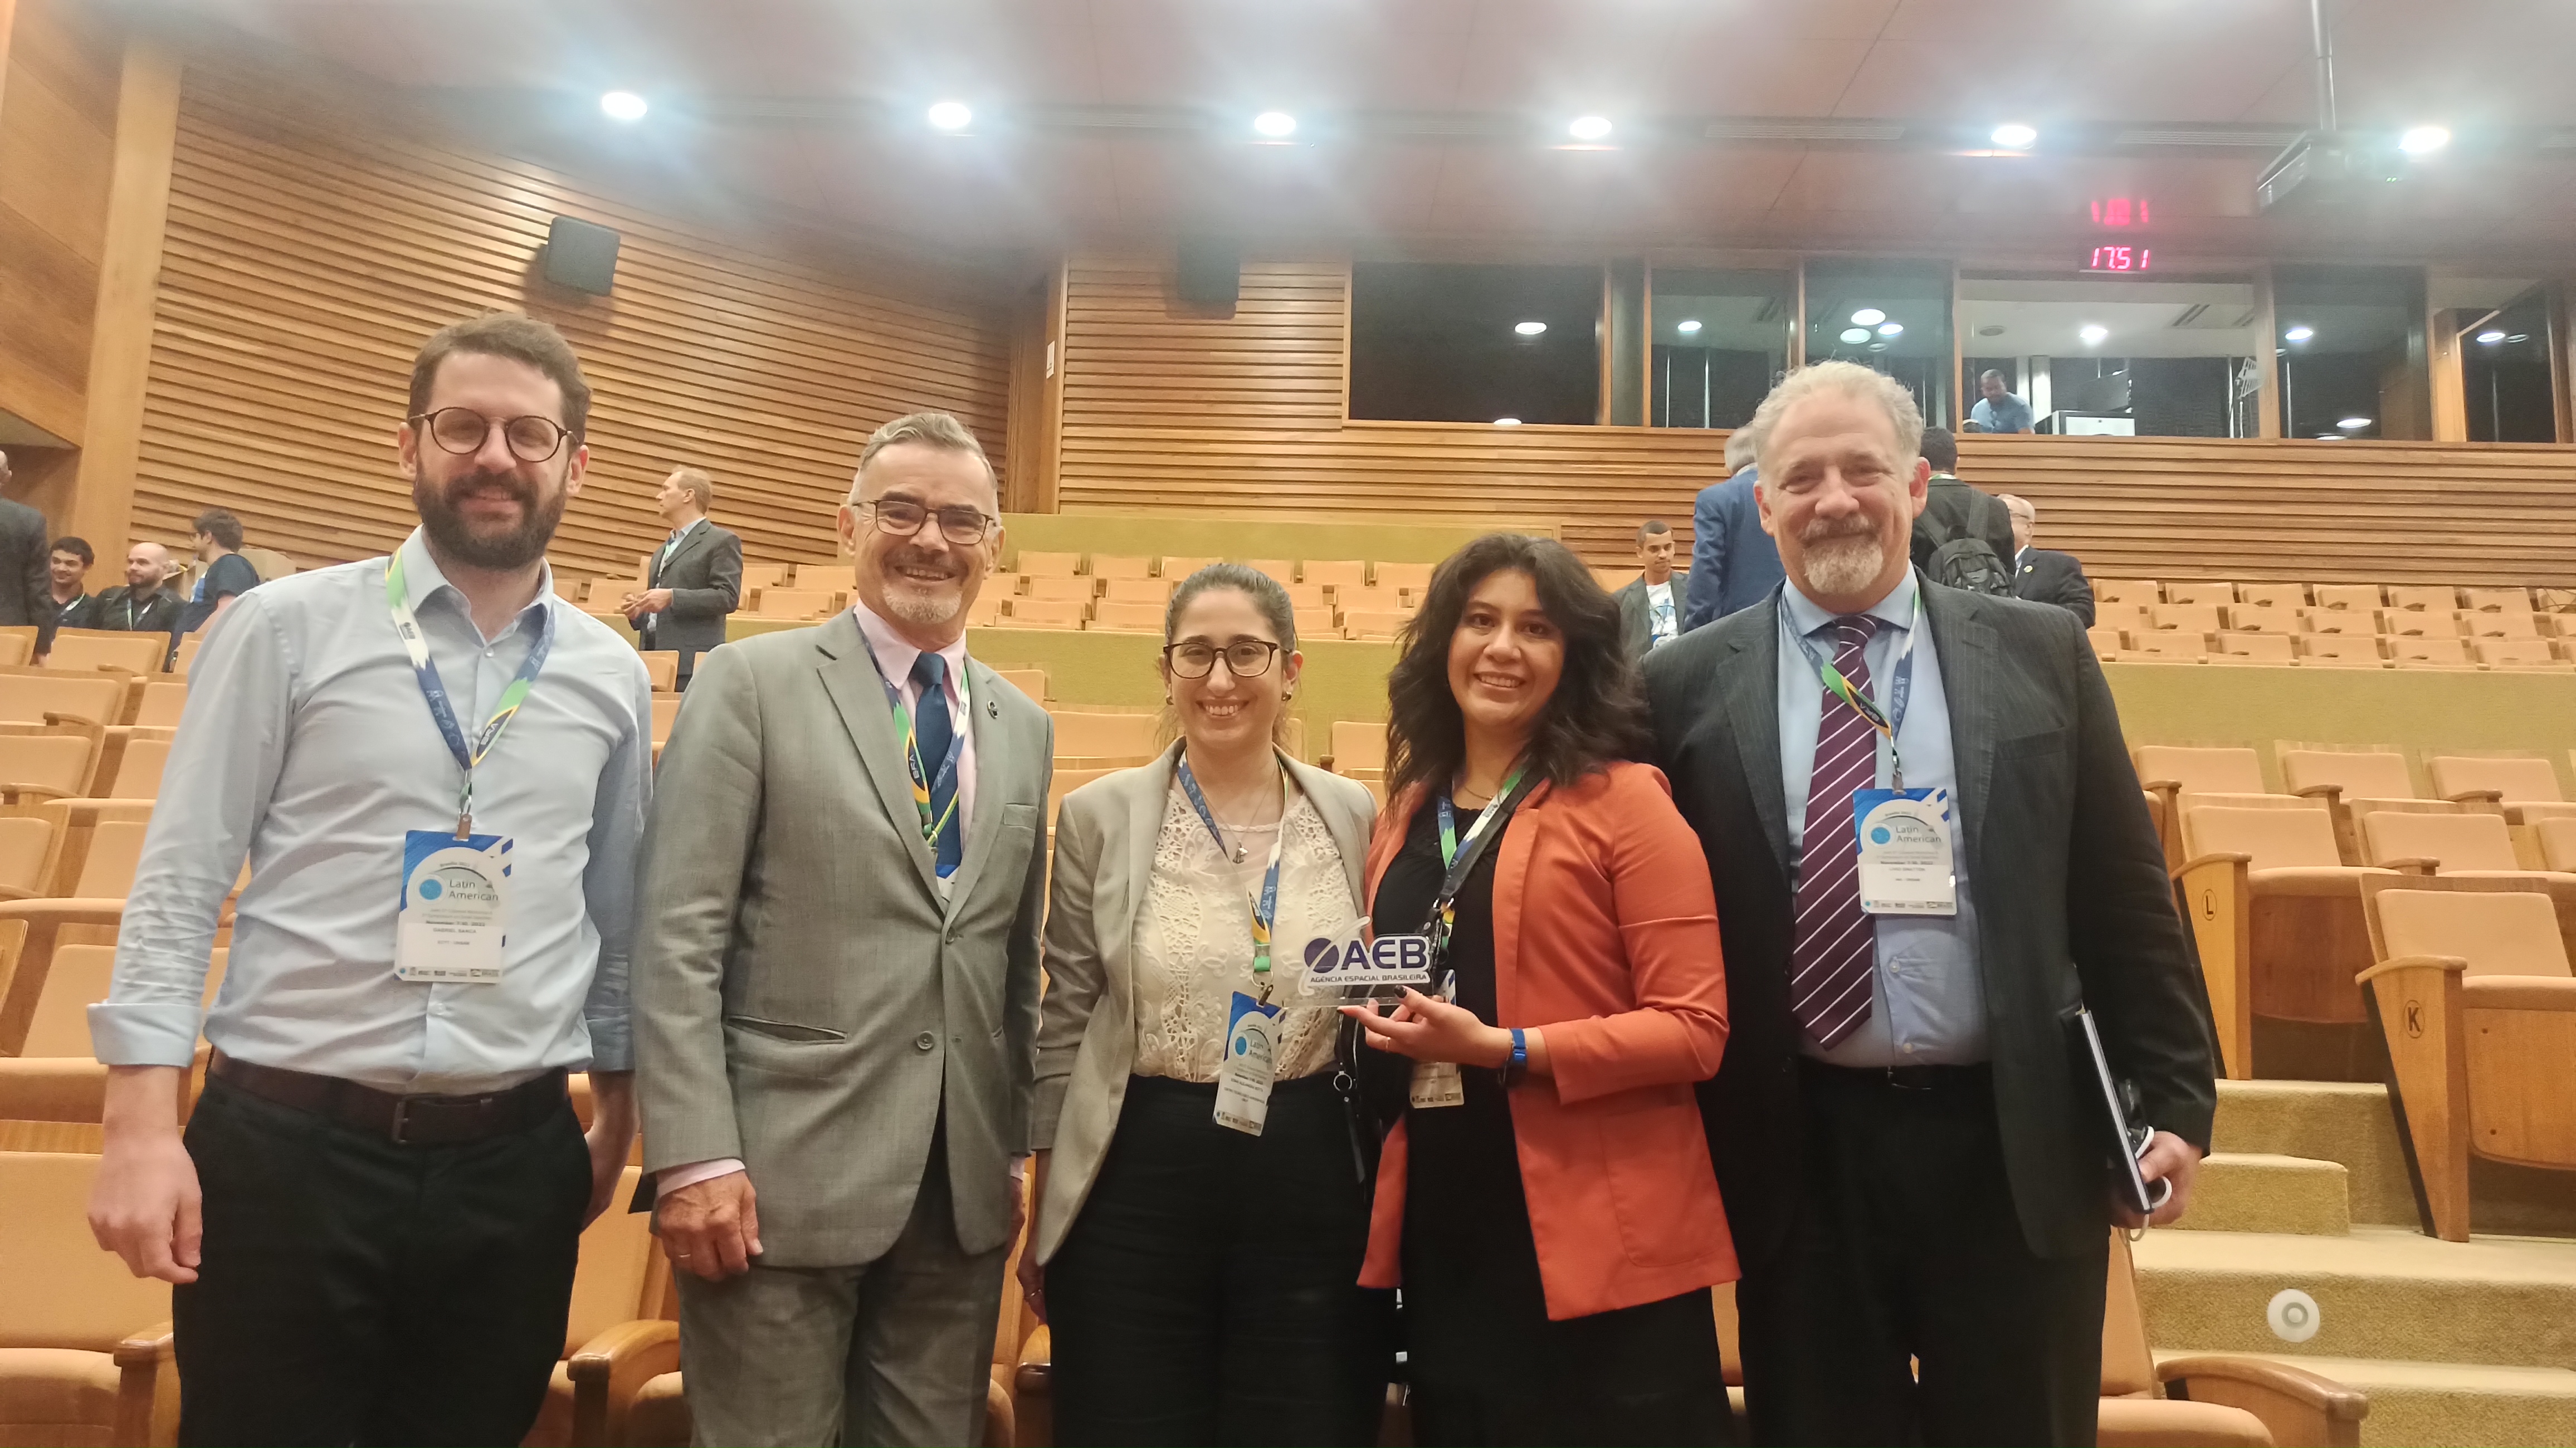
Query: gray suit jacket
[
  {"x": 804, "y": 1000},
  {"x": 1104, "y": 856},
  {"x": 704, "y": 575},
  {"x": 1637, "y": 612}
]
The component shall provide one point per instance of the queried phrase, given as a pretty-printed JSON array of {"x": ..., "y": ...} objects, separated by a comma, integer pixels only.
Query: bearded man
[
  {"x": 1928, "y": 847},
  {"x": 439, "y": 773},
  {"x": 837, "y": 983}
]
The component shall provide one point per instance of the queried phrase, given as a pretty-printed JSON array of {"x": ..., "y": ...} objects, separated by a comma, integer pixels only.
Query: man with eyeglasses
[
  {"x": 438, "y": 772},
  {"x": 837, "y": 983}
]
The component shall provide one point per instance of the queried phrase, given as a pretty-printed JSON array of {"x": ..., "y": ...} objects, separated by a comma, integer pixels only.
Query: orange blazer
[{"x": 1605, "y": 935}]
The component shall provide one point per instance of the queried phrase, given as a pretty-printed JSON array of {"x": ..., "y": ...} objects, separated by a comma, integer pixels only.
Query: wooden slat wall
[
  {"x": 57, "y": 142},
  {"x": 1191, "y": 413},
  {"x": 309, "y": 255}
]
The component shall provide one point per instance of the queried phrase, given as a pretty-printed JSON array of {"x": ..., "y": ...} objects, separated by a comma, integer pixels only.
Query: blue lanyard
[
  {"x": 922, "y": 789},
  {"x": 1886, "y": 721},
  {"x": 1265, "y": 907},
  {"x": 407, "y": 627}
]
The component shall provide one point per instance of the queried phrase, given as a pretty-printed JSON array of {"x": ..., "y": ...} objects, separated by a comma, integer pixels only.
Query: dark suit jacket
[
  {"x": 2073, "y": 905},
  {"x": 1637, "y": 612},
  {"x": 2046, "y": 577},
  {"x": 704, "y": 575},
  {"x": 26, "y": 579},
  {"x": 1733, "y": 563},
  {"x": 1968, "y": 513}
]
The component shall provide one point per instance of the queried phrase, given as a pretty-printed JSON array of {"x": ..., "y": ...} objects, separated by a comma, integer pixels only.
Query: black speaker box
[
  {"x": 581, "y": 255},
  {"x": 1210, "y": 271}
]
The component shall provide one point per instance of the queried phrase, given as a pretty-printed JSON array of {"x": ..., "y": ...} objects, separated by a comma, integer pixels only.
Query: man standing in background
[
  {"x": 1734, "y": 564},
  {"x": 2043, "y": 576},
  {"x": 1649, "y": 614},
  {"x": 26, "y": 583},
  {"x": 1963, "y": 536},
  {"x": 696, "y": 578},
  {"x": 144, "y": 602},
  {"x": 1998, "y": 410},
  {"x": 68, "y": 568},
  {"x": 228, "y": 575}
]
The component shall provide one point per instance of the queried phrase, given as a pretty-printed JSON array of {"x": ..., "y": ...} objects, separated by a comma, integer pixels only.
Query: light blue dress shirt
[
  {"x": 307, "y": 747},
  {"x": 1927, "y": 1002},
  {"x": 2013, "y": 416}
]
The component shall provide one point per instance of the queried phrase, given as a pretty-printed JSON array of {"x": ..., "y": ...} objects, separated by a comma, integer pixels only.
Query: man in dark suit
[
  {"x": 26, "y": 576},
  {"x": 1907, "y": 1156},
  {"x": 696, "y": 578},
  {"x": 2043, "y": 576},
  {"x": 1649, "y": 613},
  {"x": 1734, "y": 564}
]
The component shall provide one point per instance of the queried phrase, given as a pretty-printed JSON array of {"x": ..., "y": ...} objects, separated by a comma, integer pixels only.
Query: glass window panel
[
  {"x": 1433, "y": 342},
  {"x": 2504, "y": 340},
  {"x": 1721, "y": 340},
  {"x": 2352, "y": 352},
  {"x": 2165, "y": 358},
  {"x": 1911, "y": 297}
]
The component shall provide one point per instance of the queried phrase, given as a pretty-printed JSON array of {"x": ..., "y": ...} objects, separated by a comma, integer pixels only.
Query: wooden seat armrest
[
  {"x": 147, "y": 1388},
  {"x": 1324, "y": 762},
  {"x": 19, "y": 892},
  {"x": 2293, "y": 1402},
  {"x": 153, "y": 1344},
  {"x": 77, "y": 911},
  {"x": 16, "y": 792},
  {"x": 2411, "y": 962},
  {"x": 2490, "y": 797},
  {"x": 1036, "y": 1370},
  {"x": 2413, "y": 865},
  {"x": 2326, "y": 792},
  {"x": 610, "y": 1369},
  {"x": 2202, "y": 862}
]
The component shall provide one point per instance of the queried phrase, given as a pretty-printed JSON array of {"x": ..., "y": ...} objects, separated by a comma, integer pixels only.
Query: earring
[{"x": 1286, "y": 695}]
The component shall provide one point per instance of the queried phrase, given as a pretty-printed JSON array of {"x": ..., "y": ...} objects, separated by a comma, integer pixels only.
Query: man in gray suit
[
  {"x": 836, "y": 979},
  {"x": 1650, "y": 609},
  {"x": 696, "y": 578}
]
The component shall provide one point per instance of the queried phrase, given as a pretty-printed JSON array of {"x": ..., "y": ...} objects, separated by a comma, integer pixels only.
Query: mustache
[
  {"x": 1825, "y": 530},
  {"x": 511, "y": 485}
]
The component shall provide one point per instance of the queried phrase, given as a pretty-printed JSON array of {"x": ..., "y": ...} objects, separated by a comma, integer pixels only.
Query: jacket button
[{"x": 924, "y": 1041}]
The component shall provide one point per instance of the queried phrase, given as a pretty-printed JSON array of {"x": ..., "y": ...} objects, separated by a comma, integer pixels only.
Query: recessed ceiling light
[
  {"x": 1275, "y": 123},
  {"x": 1856, "y": 334},
  {"x": 2014, "y": 136},
  {"x": 2094, "y": 334},
  {"x": 622, "y": 106},
  {"x": 951, "y": 115},
  {"x": 1991, "y": 329},
  {"x": 1507, "y": 422},
  {"x": 1686, "y": 327},
  {"x": 2332, "y": 437},
  {"x": 2491, "y": 337},
  {"x": 2353, "y": 424},
  {"x": 2298, "y": 334},
  {"x": 1529, "y": 329},
  {"x": 1891, "y": 329},
  {"x": 1588, "y": 128},
  {"x": 1868, "y": 317},
  {"x": 2424, "y": 140},
  {"x": 2519, "y": 337},
  {"x": 1878, "y": 346}
]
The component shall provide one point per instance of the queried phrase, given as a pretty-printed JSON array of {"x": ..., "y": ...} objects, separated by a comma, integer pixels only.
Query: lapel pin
[{"x": 992, "y": 708}]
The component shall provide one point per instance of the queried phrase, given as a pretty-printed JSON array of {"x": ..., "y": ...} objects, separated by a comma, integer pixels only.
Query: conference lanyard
[
  {"x": 1460, "y": 856},
  {"x": 1265, "y": 906},
  {"x": 468, "y": 756},
  {"x": 922, "y": 778},
  {"x": 1885, "y": 721}
]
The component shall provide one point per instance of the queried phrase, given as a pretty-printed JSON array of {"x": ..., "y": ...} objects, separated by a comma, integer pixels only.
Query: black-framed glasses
[
  {"x": 461, "y": 430},
  {"x": 960, "y": 524},
  {"x": 1244, "y": 658}
]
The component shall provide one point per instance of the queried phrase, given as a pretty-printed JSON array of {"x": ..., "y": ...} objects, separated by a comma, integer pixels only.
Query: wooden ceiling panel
[{"x": 1247, "y": 55}]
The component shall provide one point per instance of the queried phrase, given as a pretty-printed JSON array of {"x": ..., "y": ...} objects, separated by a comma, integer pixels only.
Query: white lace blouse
[{"x": 1194, "y": 940}]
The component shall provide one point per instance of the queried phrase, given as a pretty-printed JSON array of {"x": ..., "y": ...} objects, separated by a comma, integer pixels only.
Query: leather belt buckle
[{"x": 1903, "y": 1078}]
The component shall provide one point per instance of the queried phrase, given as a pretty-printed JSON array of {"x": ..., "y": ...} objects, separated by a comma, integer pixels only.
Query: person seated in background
[
  {"x": 1734, "y": 564},
  {"x": 2043, "y": 576},
  {"x": 1545, "y": 1199},
  {"x": 228, "y": 575},
  {"x": 696, "y": 578},
  {"x": 1198, "y": 1232},
  {"x": 144, "y": 602},
  {"x": 68, "y": 566},
  {"x": 1649, "y": 612},
  {"x": 1998, "y": 410}
]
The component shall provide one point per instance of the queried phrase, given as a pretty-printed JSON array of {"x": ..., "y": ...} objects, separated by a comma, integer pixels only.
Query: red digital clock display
[{"x": 2118, "y": 259}]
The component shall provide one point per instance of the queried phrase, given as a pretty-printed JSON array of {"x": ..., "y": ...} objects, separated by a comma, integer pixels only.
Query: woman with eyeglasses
[
  {"x": 1545, "y": 1197},
  {"x": 1201, "y": 1206}
]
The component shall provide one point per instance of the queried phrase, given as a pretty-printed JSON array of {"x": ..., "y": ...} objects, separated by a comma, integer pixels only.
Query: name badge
[
  {"x": 1905, "y": 852},
  {"x": 1251, "y": 1065},
  {"x": 454, "y": 916},
  {"x": 1437, "y": 1083},
  {"x": 1353, "y": 967}
]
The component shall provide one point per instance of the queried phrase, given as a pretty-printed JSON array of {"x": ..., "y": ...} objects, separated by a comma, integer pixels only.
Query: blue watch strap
[{"x": 1519, "y": 1063}]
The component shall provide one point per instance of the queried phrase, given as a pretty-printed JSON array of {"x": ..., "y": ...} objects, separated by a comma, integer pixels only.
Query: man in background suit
[
  {"x": 1649, "y": 614},
  {"x": 26, "y": 577},
  {"x": 2043, "y": 576},
  {"x": 1734, "y": 564},
  {"x": 1906, "y": 1153},
  {"x": 696, "y": 578},
  {"x": 836, "y": 978}
]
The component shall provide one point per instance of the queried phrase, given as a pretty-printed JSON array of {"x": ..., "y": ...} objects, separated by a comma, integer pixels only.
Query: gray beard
[
  {"x": 928, "y": 612},
  {"x": 1838, "y": 566}
]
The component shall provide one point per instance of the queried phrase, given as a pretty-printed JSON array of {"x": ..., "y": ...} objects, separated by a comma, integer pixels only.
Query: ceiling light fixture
[
  {"x": 2424, "y": 140},
  {"x": 2298, "y": 334},
  {"x": 1856, "y": 334},
  {"x": 622, "y": 106},
  {"x": 1275, "y": 124},
  {"x": 1529, "y": 329},
  {"x": 2491, "y": 338},
  {"x": 1689, "y": 326},
  {"x": 1891, "y": 329},
  {"x": 2519, "y": 337},
  {"x": 2094, "y": 334},
  {"x": 1507, "y": 422},
  {"x": 1589, "y": 128},
  {"x": 1868, "y": 317},
  {"x": 951, "y": 116},
  {"x": 2353, "y": 424},
  {"x": 1878, "y": 346},
  {"x": 2014, "y": 136}
]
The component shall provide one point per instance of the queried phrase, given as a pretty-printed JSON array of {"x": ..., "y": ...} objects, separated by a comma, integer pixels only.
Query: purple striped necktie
[{"x": 1836, "y": 947}]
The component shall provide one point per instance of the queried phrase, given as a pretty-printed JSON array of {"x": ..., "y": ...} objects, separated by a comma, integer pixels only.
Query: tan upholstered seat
[
  {"x": 2212, "y": 1400},
  {"x": 80, "y": 650},
  {"x": 2251, "y": 648},
  {"x": 2419, "y": 623},
  {"x": 2278, "y": 918},
  {"x": 666, "y": 712},
  {"x": 2423, "y": 598},
  {"x": 1409, "y": 577},
  {"x": 2106, "y": 642},
  {"x": 2201, "y": 618},
  {"x": 2557, "y": 841},
  {"x": 1047, "y": 565},
  {"x": 138, "y": 773},
  {"x": 1359, "y": 624},
  {"x": 1060, "y": 586},
  {"x": 2166, "y": 646},
  {"x": 1044, "y": 613},
  {"x": 2344, "y": 779},
  {"x": 2496, "y": 600},
  {"x": 1177, "y": 566},
  {"x": 2261, "y": 618},
  {"x": 1128, "y": 567},
  {"x": 2498, "y": 625},
  {"x": 1136, "y": 588},
  {"x": 2356, "y": 650},
  {"x": 1029, "y": 681},
  {"x": 2468, "y": 844},
  {"x": 26, "y": 852},
  {"x": 2531, "y": 653},
  {"x": 2227, "y": 776},
  {"x": 1335, "y": 572},
  {"x": 84, "y": 1344},
  {"x": 2127, "y": 591},
  {"x": 2340, "y": 621},
  {"x": 621, "y": 1326},
  {"x": 1318, "y": 621},
  {"x": 662, "y": 668},
  {"x": 1104, "y": 741},
  {"x": 2509, "y": 781},
  {"x": 40, "y": 762},
  {"x": 2292, "y": 596},
  {"x": 27, "y": 696},
  {"x": 2476, "y": 1002},
  {"x": 2417, "y": 652},
  {"x": 2199, "y": 592},
  {"x": 161, "y": 703},
  {"x": 1308, "y": 595},
  {"x": 764, "y": 575},
  {"x": 2346, "y": 597},
  {"x": 1110, "y": 615},
  {"x": 1283, "y": 570},
  {"x": 797, "y": 603}
]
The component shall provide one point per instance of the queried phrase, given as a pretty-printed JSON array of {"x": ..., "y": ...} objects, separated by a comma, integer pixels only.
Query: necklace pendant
[{"x": 1239, "y": 851}]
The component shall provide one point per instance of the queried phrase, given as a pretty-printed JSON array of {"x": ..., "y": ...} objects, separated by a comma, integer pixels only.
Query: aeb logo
[{"x": 1327, "y": 957}]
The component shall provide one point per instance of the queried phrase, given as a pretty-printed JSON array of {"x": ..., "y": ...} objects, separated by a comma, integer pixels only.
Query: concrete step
[
  {"x": 2381, "y": 1292},
  {"x": 2352, "y": 1124},
  {"x": 2266, "y": 1192},
  {"x": 2450, "y": 1403}
]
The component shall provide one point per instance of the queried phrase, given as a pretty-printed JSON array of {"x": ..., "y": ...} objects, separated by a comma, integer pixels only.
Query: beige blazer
[{"x": 1104, "y": 856}]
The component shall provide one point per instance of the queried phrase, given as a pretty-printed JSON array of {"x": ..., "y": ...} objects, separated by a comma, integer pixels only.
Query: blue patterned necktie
[{"x": 932, "y": 731}]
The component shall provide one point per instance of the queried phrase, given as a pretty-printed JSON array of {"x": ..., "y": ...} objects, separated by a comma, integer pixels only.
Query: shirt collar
[
  {"x": 894, "y": 656},
  {"x": 683, "y": 530},
  {"x": 1896, "y": 610},
  {"x": 423, "y": 579}
]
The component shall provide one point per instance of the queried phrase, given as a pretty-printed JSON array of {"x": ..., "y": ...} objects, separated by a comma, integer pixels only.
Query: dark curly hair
[{"x": 1597, "y": 713}]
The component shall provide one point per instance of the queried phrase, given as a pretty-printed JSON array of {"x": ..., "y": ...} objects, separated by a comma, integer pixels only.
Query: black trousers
[
  {"x": 1907, "y": 1246},
  {"x": 1209, "y": 1291},
  {"x": 356, "y": 1291}
]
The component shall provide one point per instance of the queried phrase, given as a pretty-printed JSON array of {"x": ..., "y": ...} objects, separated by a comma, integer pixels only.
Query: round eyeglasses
[
  {"x": 1244, "y": 658},
  {"x": 462, "y": 430},
  {"x": 902, "y": 517}
]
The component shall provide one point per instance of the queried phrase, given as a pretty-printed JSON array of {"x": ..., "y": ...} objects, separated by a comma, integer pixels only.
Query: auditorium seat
[
  {"x": 1032, "y": 682},
  {"x": 1374, "y": 598},
  {"x": 138, "y": 772},
  {"x": 160, "y": 704},
  {"x": 1044, "y": 612},
  {"x": 1412, "y": 578},
  {"x": 1122, "y": 566},
  {"x": 1335, "y": 572},
  {"x": 28, "y": 960},
  {"x": 2359, "y": 650},
  {"x": 1361, "y": 624},
  {"x": 2260, "y": 618},
  {"x": 2292, "y": 596},
  {"x": 2496, "y": 600},
  {"x": 986, "y": 611},
  {"x": 2430, "y": 653},
  {"x": 1317, "y": 621},
  {"x": 85, "y": 1346},
  {"x": 26, "y": 852},
  {"x": 570, "y": 589},
  {"x": 2398, "y": 623},
  {"x": 2106, "y": 642},
  {"x": 2466, "y": 846},
  {"x": 2167, "y": 645},
  {"x": 1283, "y": 570},
  {"x": 2139, "y": 591},
  {"x": 187, "y": 653},
  {"x": 1047, "y": 565},
  {"x": 2278, "y": 918},
  {"x": 27, "y": 696},
  {"x": 47, "y": 761},
  {"x": 764, "y": 575},
  {"x": 2207, "y": 1400},
  {"x": 2531, "y": 653},
  {"x": 1112, "y": 616},
  {"x": 2498, "y": 625},
  {"x": 2476, "y": 1003},
  {"x": 2422, "y": 598},
  {"x": 1136, "y": 588},
  {"x": 97, "y": 845},
  {"x": 2343, "y": 778},
  {"x": 2202, "y": 592},
  {"x": 1080, "y": 590},
  {"x": 1085, "y": 740},
  {"x": 622, "y": 1306},
  {"x": 797, "y": 603},
  {"x": 17, "y": 646},
  {"x": 2526, "y": 789},
  {"x": 1177, "y": 566},
  {"x": 2180, "y": 775},
  {"x": 80, "y": 650},
  {"x": 2251, "y": 648},
  {"x": 2354, "y": 622},
  {"x": 1614, "y": 579},
  {"x": 2347, "y": 597},
  {"x": 666, "y": 712},
  {"x": 662, "y": 666},
  {"x": 2557, "y": 840},
  {"x": 1308, "y": 595}
]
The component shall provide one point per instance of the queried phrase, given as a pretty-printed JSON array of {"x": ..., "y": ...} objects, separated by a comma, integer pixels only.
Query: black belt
[
  {"x": 1977, "y": 1076},
  {"x": 405, "y": 1120}
]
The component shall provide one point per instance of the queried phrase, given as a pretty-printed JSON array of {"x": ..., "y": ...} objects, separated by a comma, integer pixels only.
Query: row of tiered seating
[
  {"x": 1337, "y": 598},
  {"x": 2338, "y": 625}
]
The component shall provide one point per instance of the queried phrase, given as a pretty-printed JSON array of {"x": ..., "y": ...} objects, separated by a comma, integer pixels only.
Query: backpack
[{"x": 1958, "y": 557}]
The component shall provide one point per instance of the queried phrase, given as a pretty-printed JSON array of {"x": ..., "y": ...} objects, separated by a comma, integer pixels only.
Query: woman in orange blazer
[{"x": 1544, "y": 1198}]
